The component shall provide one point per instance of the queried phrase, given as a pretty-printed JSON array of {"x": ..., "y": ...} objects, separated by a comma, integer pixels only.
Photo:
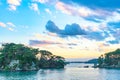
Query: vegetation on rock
[
  {"x": 20, "y": 57},
  {"x": 110, "y": 59}
]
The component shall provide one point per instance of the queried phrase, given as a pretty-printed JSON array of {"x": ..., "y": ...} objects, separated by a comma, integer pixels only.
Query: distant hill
[
  {"x": 89, "y": 61},
  {"x": 92, "y": 61}
]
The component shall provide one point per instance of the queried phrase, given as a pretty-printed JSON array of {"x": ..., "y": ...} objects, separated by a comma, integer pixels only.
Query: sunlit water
[{"x": 71, "y": 72}]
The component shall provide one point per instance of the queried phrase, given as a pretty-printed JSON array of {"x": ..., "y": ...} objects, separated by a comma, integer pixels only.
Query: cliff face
[
  {"x": 19, "y": 57},
  {"x": 110, "y": 60}
]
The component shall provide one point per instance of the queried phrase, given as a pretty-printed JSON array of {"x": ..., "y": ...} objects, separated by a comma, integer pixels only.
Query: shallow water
[{"x": 71, "y": 72}]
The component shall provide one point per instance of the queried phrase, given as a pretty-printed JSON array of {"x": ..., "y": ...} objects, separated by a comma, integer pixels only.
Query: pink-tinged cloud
[
  {"x": 41, "y": 1},
  {"x": 38, "y": 42},
  {"x": 13, "y": 4},
  {"x": 73, "y": 10},
  {"x": 2, "y": 24},
  {"x": 45, "y": 1},
  {"x": 45, "y": 43}
]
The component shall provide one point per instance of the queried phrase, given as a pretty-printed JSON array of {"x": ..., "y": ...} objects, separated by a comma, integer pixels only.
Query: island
[
  {"x": 110, "y": 60},
  {"x": 18, "y": 57}
]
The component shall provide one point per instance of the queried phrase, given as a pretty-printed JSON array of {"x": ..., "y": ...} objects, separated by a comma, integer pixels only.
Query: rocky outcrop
[
  {"x": 110, "y": 60},
  {"x": 15, "y": 57}
]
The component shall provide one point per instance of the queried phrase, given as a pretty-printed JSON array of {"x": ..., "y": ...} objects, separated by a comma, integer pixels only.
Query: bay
[{"x": 73, "y": 71}]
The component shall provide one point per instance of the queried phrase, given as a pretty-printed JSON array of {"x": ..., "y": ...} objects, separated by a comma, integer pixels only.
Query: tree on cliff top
[{"x": 26, "y": 57}]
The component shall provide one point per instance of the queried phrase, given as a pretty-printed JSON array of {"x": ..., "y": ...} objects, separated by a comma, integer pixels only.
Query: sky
[{"x": 69, "y": 28}]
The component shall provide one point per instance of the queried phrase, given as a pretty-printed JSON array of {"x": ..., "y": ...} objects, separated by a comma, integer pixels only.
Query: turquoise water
[{"x": 71, "y": 72}]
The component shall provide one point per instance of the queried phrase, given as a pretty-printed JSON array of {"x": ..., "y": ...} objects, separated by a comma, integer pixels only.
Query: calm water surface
[{"x": 71, "y": 72}]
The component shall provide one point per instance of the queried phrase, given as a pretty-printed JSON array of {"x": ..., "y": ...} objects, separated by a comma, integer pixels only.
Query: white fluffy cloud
[
  {"x": 34, "y": 7},
  {"x": 13, "y": 4},
  {"x": 10, "y": 26},
  {"x": 48, "y": 11}
]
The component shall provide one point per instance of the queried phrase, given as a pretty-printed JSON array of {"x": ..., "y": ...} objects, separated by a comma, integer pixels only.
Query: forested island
[
  {"x": 110, "y": 60},
  {"x": 14, "y": 57}
]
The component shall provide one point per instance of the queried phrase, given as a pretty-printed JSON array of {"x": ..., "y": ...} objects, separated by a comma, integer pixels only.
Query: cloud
[
  {"x": 114, "y": 17},
  {"x": 113, "y": 42},
  {"x": 72, "y": 44},
  {"x": 46, "y": 1},
  {"x": 107, "y": 4},
  {"x": 48, "y": 41},
  {"x": 13, "y": 4},
  {"x": 46, "y": 37},
  {"x": 107, "y": 30},
  {"x": 34, "y": 7},
  {"x": 99, "y": 36},
  {"x": 107, "y": 34},
  {"x": 51, "y": 27},
  {"x": 11, "y": 29},
  {"x": 113, "y": 29},
  {"x": 41, "y": 1},
  {"x": 10, "y": 26},
  {"x": 73, "y": 10},
  {"x": 44, "y": 43},
  {"x": 94, "y": 12},
  {"x": 38, "y": 42},
  {"x": 2, "y": 24},
  {"x": 48, "y": 11},
  {"x": 69, "y": 30},
  {"x": 73, "y": 29}
]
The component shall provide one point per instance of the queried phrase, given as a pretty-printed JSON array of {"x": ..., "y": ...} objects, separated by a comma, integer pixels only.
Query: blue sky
[{"x": 69, "y": 28}]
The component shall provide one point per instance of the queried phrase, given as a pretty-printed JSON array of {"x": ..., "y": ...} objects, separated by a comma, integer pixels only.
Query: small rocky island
[
  {"x": 14, "y": 57},
  {"x": 110, "y": 60}
]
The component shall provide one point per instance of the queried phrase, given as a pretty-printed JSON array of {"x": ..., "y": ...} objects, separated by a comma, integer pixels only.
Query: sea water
[{"x": 72, "y": 71}]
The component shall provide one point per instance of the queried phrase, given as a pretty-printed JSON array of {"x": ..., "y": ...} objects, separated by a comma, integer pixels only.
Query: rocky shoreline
[
  {"x": 18, "y": 57},
  {"x": 110, "y": 60}
]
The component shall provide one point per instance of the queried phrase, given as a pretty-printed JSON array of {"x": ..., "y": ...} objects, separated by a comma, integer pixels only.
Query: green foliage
[
  {"x": 100, "y": 60},
  {"x": 6, "y": 68},
  {"x": 27, "y": 57},
  {"x": 48, "y": 60},
  {"x": 110, "y": 58}
]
